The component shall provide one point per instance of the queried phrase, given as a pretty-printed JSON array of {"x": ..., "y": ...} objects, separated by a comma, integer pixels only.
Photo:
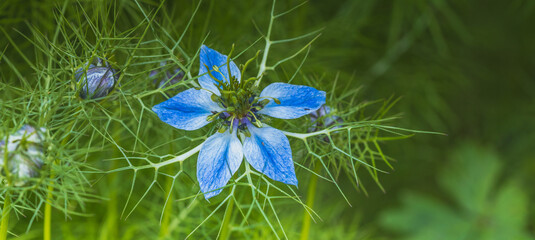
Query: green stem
[
  {"x": 164, "y": 229},
  {"x": 5, "y": 216},
  {"x": 166, "y": 218},
  {"x": 263, "y": 64},
  {"x": 48, "y": 212},
  {"x": 178, "y": 158},
  {"x": 226, "y": 228},
  {"x": 305, "y": 231},
  {"x": 7, "y": 198},
  {"x": 47, "y": 226},
  {"x": 110, "y": 227}
]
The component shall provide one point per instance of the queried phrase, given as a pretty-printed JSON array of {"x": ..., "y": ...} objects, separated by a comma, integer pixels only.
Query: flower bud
[
  {"x": 98, "y": 81},
  {"x": 24, "y": 154},
  {"x": 322, "y": 118},
  {"x": 170, "y": 78}
]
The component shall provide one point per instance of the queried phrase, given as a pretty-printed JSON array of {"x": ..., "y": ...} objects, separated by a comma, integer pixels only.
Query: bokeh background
[{"x": 462, "y": 68}]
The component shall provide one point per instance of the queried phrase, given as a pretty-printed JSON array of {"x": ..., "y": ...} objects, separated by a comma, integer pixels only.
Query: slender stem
[
  {"x": 111, "y": 225},
  {"x": 305, "y": 231},
  {"x": 109, "y": 230},
  {"x": 5, "y": 216},
  {"x": 176, "y": 159},
  {"x": 263, "y": 64},
  {"x": 179, "y": 158},
  {"x": 303, "y": 136},
  {"x": 226, "y": 228},
  {"x": 166, "y": 217},
  {"x": 262, "y": 68},
  {"x": 47, "y": 226},
  {"x": 7, "y": 198},
  {"x": 48, "y": 211}
]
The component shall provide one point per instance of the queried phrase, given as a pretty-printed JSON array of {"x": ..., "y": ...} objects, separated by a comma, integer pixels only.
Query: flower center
[{"x": 240, "y": 99}]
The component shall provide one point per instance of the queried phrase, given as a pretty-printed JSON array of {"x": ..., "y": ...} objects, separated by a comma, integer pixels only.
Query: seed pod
[
  {"x": 24, "y": 154},
  {"x": 97, "y": 82}
]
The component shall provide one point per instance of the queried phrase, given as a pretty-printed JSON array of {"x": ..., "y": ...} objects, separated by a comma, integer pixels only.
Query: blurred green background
[{"x": 462, "y": 68}]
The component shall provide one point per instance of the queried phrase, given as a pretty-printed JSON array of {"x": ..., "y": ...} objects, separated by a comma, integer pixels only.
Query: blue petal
[
  {"x": 187, "y": 110},
  {"x": 268, "y": 151},
  {"x": 219, "y": 158},
  {"x": 295, "y": 100},
  {"x": 211, "y": 58}
]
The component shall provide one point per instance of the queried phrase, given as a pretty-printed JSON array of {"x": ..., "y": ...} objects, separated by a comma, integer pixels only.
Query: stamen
[
  {"x": 232, "y": 123},
  {"x": 212, "y": 117},
  {"x": 258, "y": 123},
  {"x": 247, "y": 64},
  {"x": 212, "y": 76},
  {"x": 223, "y": 129},
  {"x": 277, "y": 101}
]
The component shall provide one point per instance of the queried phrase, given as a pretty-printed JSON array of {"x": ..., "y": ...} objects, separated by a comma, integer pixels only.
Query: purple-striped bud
[{"x": 98, "y": 81}]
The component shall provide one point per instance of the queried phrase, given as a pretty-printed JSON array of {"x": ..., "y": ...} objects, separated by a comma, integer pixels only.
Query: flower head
[
  {"x": 98, "y": 81},
  {"x": 24, "y": 154},
  {"x": 235, "y": 103}
]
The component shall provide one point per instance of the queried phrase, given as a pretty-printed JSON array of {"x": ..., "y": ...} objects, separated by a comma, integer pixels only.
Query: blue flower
[
  {"x": 98, "y": 81},
  {"x": 234, "y": 103}
]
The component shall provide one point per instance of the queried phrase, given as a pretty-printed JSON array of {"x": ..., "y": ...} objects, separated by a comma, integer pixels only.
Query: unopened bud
[
  {"x": 170, "y": 78},
  {"x": 97, "y": 81},
  {"x": 323, "y": 118},
  {"x": 24, "y": 154}
]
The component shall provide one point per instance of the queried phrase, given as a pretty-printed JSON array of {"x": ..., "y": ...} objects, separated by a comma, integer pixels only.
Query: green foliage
[{"x": 479, "y": 209}]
